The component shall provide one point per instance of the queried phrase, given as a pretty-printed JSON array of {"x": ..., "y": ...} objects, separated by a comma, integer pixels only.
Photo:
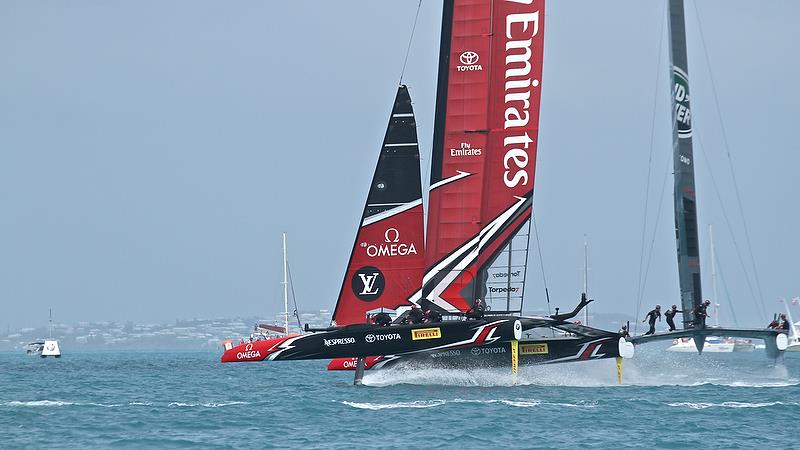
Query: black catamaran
[
  {"x": 686, "y": 229},
  {"x": 479, "y": 217}
]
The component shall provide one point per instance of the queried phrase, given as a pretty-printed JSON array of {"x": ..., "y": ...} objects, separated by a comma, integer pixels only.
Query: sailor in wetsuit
[
  {"x": 652, "y": 316},
  {"x": 477, "y": 310},
  {"x": 784, "y": 323},
  {"x": 383, "y": 319},
  {"x": 700, "y": 314},
  {"x": 670, "y": 316},
  {"x": 416, "y": 315},
  {"x": 774, "y": 324},
  {"x": 431, "y": 315}
]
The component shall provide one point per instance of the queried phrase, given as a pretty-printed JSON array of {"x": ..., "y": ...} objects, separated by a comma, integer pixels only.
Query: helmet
[
  {"x": 658, "y": 306},
  {"x": 674, "y": 306},
  {"x": 707, "y": 302}
]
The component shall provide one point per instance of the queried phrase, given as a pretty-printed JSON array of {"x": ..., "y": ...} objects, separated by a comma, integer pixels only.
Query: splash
[
  {"x": 517, "y": 403},
  {"x": 691, "y": 405},
  {"x": 653, "y": 368}
]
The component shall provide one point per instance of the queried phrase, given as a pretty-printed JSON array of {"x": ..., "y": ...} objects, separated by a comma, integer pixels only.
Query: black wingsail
[{"x": 685, "y": 200}]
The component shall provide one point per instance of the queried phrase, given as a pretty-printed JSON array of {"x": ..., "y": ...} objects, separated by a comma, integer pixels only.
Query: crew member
[
  {"x": 651, "y": 317},
  {"x": 700, "y": 314},
  {"x": 415, "y": 316},
  {"x": 383, "y": 319},
  {"x": 784, "y": 325},
  {"x": 477, "y": 310},
  {"x": 624, "y": 331},
  {"x": 774, "y": 324},
  {"x": 670, "y": 316},
  {"x": 431, "y": 315}
]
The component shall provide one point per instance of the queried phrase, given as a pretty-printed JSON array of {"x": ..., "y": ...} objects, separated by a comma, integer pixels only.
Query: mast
[
  {"x": 714, "y": 275},
  {"x": 51, "y": 323},
  {"x": 285, "y": 289},
  {"x": 685, "y": 200}
]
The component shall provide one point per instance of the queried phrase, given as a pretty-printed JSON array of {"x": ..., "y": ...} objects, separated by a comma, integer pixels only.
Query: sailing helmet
[
  {"x": 707, "y": 302},
  {"x": 674, "y": 306},
  {"x": 658, "y": 306}
]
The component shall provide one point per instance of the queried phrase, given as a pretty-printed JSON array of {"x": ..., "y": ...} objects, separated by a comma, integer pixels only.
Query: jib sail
[
  {"x": 484, "y": 152},
  {"x": 386, "y": 263}
]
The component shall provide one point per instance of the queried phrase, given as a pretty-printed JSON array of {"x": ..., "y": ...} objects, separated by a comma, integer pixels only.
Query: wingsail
[
  {"x": 387, "y": 259},
  {"x": 484, "y": 153}
]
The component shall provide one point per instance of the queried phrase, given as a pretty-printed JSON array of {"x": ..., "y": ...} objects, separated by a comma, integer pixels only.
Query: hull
[
  {"x": 363, "y": 340},
  {"x": 544, "y": 341},
  {"x": 531, "y": 352}
]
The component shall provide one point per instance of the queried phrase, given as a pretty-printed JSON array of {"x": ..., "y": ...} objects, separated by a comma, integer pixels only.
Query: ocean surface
[{"x": 189, "y": 399}]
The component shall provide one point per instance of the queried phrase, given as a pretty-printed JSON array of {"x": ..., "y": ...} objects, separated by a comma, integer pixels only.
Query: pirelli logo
[
  {"x": 533, "y": 349},
  {"x": 426, "y": 333}
]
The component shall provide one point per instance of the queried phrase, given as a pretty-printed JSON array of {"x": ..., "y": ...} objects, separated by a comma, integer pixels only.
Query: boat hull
[
  {"x": 364, "y": 340},
  {"x": 531, "y": 352}
]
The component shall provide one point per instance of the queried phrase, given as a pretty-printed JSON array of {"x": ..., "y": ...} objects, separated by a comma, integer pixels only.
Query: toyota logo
[
  {"x": 476, "y": 351},
  {"x": 468, "y": 58},
  {"x": 370, "y": 338}
]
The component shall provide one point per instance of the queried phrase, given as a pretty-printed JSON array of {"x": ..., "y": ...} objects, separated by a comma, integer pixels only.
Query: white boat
[
  {"x": 48, "y": 347},
  {"x": 263, "y": 331},
  {"x": 794, "y": 336},
  {"x": 713, "y": 344}
]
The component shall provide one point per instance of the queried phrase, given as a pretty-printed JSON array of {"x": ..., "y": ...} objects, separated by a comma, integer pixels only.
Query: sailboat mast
[
  {"x": 51, "y": 324},
  {"x": 685, "y": 201},
  {"x": 285, "y": 289},
  {"x": 714, "y": 275}
]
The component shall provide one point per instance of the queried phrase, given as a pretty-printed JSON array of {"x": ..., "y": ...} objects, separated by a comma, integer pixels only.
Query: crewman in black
[
  {"x": 383, "y": 319},
  {"x": 416, "y": 315},
  {"x": 477, "y": 310},
  {"x": 784, "y": 325},
  {"x": 700, "y": 314},
  {"x": 652, "y": 316},
  {"x": 624, "y": 331},
  {"x": 431, "y": 315},
  {"x": 670, "y": 315}
]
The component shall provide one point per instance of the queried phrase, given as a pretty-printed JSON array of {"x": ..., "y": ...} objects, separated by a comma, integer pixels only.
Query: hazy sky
[{"x": 151, "y": 152}]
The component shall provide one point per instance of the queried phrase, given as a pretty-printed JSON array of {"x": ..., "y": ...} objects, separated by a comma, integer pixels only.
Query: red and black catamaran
[{"x": 479, "y": 218}]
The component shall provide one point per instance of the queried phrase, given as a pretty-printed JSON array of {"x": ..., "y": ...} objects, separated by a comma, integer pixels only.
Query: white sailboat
[
  {"x": 263, "y": 331},
  {"x": 48, "y": 347},
  {"x": 794, "y": 337}
]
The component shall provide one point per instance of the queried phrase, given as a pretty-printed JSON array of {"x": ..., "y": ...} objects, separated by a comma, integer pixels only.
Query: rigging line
[
  {"x": 639, "y": 287},
  {"x": 294, "y": 298},
  {"x": 655, "y": 232},
  {"x": 410, "y": 40},
  {"x": 728, "y": 223},
  {"x": 727, "y": 293},
  {"x": 541, "y": 260},
  {"x": 730, "y": 160}
]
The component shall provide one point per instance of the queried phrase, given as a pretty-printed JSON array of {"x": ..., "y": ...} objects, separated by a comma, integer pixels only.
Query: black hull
[{"x": 531, "y": 352}]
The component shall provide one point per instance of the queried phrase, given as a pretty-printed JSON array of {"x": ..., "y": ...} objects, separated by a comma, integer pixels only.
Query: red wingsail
[
  {"x": 387, "y": 260},
  {"x": 484, "y": 153}
]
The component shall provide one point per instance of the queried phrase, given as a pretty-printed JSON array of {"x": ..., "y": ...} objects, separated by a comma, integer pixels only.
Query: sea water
[{"x": 190, "y": 399}]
